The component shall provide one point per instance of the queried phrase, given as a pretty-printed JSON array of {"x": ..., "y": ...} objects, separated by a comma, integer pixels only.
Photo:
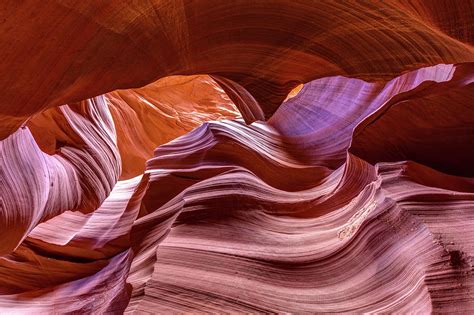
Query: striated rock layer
[
  {"x": 55, "y": 52},
  {"x": 243, "y": 190}
]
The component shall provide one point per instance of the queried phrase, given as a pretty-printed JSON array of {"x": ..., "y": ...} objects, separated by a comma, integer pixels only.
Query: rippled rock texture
[{"x": 236, "y": 157}]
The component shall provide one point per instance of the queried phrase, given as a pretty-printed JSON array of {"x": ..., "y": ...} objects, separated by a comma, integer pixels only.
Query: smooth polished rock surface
[
  {"x": 293, "y": 157},
  {"x": 57, "y": 52}
]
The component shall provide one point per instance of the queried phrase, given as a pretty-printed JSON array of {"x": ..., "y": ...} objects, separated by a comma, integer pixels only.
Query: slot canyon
[{"x": 236, "y": 157}]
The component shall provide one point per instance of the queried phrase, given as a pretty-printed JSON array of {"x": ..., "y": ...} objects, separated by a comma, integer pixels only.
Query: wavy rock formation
[{"x": 294, "y": 157}]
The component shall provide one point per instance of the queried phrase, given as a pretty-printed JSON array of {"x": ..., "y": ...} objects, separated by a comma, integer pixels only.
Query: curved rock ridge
[
  {"x": 438, "y": 118},
  {"x": 261, "y": 50},
  {"x": 335, "y": 204},
  {"x": 74, "y": 262},
  {"x": 79, "y": 175},
  {"x": 145, "y": 118}
]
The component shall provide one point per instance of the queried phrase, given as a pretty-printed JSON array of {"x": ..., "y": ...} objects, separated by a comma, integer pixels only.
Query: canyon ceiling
[{"x": 223, "y": 156}]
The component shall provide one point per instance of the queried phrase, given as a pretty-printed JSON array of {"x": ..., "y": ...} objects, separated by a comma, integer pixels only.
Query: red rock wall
[{"x": 235, "y": 188}]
